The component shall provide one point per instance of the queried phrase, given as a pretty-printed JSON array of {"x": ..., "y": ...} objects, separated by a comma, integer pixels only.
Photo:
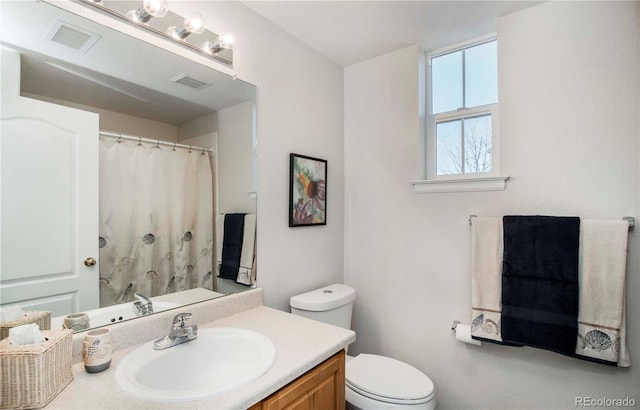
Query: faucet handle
[
  {"x": 180, "y": 319},
  {"x": 143, "y": 305}
]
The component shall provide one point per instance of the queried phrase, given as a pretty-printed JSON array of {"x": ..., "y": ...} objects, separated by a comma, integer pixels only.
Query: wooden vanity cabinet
[{"x": 321, "y": 388}]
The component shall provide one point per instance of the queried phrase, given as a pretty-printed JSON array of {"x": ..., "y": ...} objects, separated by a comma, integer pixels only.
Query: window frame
[
  {"x": 488, "y": 180},
  {"x": 462, "y": 114}
]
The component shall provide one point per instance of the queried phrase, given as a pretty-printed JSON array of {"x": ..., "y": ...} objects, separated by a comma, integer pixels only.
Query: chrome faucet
[
  {"x": 142, "y": 306},
  {"x": 179, "y": 333}
]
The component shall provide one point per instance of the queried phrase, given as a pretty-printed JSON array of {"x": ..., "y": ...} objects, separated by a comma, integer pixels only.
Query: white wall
[
  {"x": 197, "y": 128},
  {"x": 235, "y": 159},
  {"x": 299, "y": 109},
  {"x": 569, "y": 104}
]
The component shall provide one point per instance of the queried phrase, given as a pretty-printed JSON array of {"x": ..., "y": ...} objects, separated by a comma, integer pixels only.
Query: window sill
[{"x": 460, "y": 185}]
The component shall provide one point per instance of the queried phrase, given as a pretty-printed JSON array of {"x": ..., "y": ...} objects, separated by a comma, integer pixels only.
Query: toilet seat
[{"x": 388, "y": 380}]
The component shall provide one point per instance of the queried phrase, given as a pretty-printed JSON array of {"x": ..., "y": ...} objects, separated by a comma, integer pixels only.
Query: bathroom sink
[{"x": 219, "y": 360}]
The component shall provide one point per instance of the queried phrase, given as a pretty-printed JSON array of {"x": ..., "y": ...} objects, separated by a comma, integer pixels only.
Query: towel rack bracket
[
  {"x": 455, "y": 324},
  {"x": 631, "y": 220}
]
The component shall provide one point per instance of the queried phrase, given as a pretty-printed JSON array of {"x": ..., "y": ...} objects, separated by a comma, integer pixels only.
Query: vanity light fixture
[
  {"x": 224, "y": 42},
  {"x": 155, "y": 17},
  {"x": 149, "y": 9},
  {"x": 193, "y": 24}
]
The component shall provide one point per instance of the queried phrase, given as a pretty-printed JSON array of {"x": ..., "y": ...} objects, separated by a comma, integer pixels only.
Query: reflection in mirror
[{"x": 105, "y": 136}]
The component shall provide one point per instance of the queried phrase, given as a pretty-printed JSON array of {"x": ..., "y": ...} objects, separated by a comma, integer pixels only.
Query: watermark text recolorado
[{"x": 587, "y": 401}]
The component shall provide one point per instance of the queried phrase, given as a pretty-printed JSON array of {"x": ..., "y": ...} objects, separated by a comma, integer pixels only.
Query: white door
[{"x": 48, "y": 206}]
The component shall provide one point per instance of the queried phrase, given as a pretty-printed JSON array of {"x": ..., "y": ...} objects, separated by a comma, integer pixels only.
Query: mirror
[{"x": 137, "y": 89}]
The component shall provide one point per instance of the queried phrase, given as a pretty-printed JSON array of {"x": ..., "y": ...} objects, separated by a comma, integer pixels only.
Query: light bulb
[
  {"x": 193, "y": 24},
  {"x": 157, "y": 8},
  {"x": 149, "y": 9},
  {"x": 224, "y": 42}
]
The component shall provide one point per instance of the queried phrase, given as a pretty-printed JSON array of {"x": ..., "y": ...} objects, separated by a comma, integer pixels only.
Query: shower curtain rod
[{"x": 150, "y": 141}]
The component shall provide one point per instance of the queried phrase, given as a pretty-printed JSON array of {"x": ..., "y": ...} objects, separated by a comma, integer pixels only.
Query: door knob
[{"x": 89, "y": 261}]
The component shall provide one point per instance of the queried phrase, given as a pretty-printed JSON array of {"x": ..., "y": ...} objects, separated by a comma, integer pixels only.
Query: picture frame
[{"x": 307, "y": 191}]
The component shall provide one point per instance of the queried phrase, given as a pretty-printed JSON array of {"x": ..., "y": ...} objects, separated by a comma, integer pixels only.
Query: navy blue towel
[
  {"x": 540, "y": 282},
  {"x": 232, "y": 246}
]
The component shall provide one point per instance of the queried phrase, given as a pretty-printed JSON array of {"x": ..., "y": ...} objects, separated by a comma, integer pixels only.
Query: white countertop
[
  {"x": 189, "y": 296},
  {"x": 301, "y": 344}
]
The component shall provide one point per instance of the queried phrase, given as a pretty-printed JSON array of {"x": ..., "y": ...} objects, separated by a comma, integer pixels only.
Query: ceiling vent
[
  {"x": 189, "y": 81},
  {"x": 71, "y": 36}
]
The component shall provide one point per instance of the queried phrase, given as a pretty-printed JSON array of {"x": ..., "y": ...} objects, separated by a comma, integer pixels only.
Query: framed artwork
[{"x": 307, "y": 191}]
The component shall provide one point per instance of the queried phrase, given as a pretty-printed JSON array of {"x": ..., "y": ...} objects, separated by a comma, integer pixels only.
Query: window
[{"x": 462, "y": 119}]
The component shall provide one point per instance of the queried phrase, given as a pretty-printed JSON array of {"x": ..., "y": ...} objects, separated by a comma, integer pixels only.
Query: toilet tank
[{"x": 332, "y": 304}]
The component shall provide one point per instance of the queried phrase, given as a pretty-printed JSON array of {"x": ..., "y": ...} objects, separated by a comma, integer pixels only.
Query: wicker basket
[
  {"x": 41, "y": 318},
  {"x": 32, "y": 375}
]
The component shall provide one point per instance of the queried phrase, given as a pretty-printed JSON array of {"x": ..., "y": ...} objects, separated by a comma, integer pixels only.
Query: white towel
[
  {"x": 219, "y": 237},
  {"x": 246, "y": 274},
  {"x": 486, "y": 277},
  {"x": 602, "y": 275}
]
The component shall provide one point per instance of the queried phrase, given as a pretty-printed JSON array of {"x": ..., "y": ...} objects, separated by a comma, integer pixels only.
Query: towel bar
[{"x": 630, "y": 219}]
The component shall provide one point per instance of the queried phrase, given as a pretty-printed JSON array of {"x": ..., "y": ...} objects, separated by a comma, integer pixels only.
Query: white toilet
[{"x": 372, "y": 382}]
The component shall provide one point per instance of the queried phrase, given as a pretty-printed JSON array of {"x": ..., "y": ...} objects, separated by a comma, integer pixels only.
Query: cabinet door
[{"x": 322, "y": 388}]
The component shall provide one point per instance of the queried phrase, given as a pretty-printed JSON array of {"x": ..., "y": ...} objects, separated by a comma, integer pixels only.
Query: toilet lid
[{"x": 387, "y": 379}]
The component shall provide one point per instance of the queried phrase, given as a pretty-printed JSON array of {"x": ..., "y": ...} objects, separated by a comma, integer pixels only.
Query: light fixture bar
[{"x": 224, "y": 55}]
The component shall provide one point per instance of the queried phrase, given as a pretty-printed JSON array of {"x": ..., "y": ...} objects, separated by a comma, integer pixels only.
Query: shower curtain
[{"x": 156, "y": 220}]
